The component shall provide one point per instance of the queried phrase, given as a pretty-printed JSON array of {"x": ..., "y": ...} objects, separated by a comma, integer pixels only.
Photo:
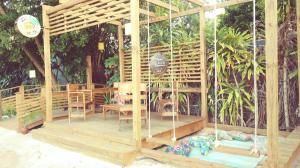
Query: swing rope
[
  {"x": 255, "y": 78},
  {"x": 172, "y": 71},
  {"x": 149, "y": 72},
  {"x": 216, "y": 75}
]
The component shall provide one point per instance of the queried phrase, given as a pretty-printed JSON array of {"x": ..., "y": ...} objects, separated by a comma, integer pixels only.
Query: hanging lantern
[
  {"x": 128, "y": 29},
  {"x": 159, "y": 64},
  {"x": 101, "y": 46}
]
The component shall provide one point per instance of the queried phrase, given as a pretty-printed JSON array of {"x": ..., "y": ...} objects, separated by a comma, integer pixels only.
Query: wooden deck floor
[
  {"x": 103, "y": 138},
  {"x": 96, "y": 123}
]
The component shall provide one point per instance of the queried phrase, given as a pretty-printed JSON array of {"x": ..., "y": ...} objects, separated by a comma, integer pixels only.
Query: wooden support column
[
  {"x": 19, "y": 101},
  {"x": 298, "y": 45},
  {"x": 136, "y": 69},
  {"x": 89, "y": 72},
  {"x": 271, "y": 50},
  {"x": 204, "y": 113},
  {"x": 1, "y": 111},
  {"x": 47, "y": 62},
  {"x": 121, "y": 53}
]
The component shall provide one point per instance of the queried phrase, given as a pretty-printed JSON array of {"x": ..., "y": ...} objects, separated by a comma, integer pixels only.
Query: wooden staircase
[
  {"x": 289, "y": 148},
  {"x": 114, "y": 149}
]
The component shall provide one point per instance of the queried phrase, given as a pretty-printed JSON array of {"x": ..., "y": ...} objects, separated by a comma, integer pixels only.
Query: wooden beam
[
  {"x": 145, "y": 12},
  {"x": 121, "y": 52},
  {"x": 197, "y": 2},
  {"x": 203, "y": 60},
  {"x": 65, "y": 5},
  {"x": 271, "y": 50},
  {"x": 246, "y": 130},
  {"x": 136, "y": 68},
  {"x": 225, "y": 4},
  {"x": 89, "y": 72},
  {"x": 175, "y": 15},
  {"x": 298, "y": 45},
  {"x": 47, "y": 62},
  {"x": 163, "y": 4},
  {"x": 180, "y": 161}
]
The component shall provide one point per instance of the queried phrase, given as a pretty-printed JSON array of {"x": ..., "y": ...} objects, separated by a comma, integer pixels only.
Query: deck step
[
  {"x": 96, "y": 147},
  {"x": 91, "y": 133},
  {"x": 288, "y": 149}
]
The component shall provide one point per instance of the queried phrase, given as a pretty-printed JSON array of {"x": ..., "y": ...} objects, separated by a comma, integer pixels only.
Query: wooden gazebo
[{"x": 80, "y": 14}]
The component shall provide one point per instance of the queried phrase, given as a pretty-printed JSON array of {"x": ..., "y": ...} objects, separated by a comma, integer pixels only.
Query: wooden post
[
  {"x": 21, "y": 89},
  {"x": 298, "y": 46},
  {"x": 136, "y": 71},
  {"x": 204, "y": 113},
  {"x": 47, "y": 62},
  {"x": 43, "y": 98},
  {"x": 19, "y": 101},
  {"x": 89, "y": 72},
  {"x": 272, "y": 81},
  {"x": 121, "y": 53},
  {"x": 1, "y": 111}
]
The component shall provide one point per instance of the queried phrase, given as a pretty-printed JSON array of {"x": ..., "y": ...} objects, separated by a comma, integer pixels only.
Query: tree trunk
[
  {"x": 285, "y": 93},
  {"x": 39, "y": 46},
  {"x": 2, "y": 12},
  {"x": 36, "y": 64},
  {"x": 31, "y": 57}
]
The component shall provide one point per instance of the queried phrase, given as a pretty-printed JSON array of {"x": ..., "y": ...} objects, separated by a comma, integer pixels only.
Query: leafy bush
[{"x": 10, "y": 112}]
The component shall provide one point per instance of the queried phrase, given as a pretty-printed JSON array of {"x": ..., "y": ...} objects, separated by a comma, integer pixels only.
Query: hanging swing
[
  {"x": 172, "y": 102},
  {"x": 254, "y": 152}
]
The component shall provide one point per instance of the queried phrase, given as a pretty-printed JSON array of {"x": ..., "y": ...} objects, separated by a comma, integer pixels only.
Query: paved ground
[{"x": 19, "y": 151}]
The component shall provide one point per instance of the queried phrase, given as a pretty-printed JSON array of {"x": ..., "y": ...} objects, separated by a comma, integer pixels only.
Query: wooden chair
[
  {"x": 126, "y": 109},
  {"x": 81, "y": 100},
  {"x": 124, "y": 103},
  {"x": 164, "y": 103},
  {"x": 112, "y": 106}
]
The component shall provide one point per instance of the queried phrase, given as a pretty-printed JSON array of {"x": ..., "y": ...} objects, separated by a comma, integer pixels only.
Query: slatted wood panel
[
  {"x": 8, "y": 100},
  {"x": 60, "y": 103},
  {"x": 29, "y": 110},
  {"x": 86, "y": 14},
  {"x": 8, "y": 103},
  {"x": 186, "y": 63}
]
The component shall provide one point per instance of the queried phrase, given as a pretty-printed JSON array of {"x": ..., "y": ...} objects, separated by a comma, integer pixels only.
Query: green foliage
[
  {"x": 235, "y": 73},
  {"x": 32, "y": 117},
  {"x": 107, "y": 99},
  {"x": 10, "y": 112},
  {"x": 112, "y": 70}
]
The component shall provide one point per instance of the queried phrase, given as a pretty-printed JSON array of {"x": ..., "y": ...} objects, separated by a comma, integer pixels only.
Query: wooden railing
[
  {"x": 28, "y": 102},
  {"x": 30, "y": 106}
]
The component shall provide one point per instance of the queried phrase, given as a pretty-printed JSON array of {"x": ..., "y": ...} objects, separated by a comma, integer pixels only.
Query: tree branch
[
  {"x": 36, "y": 64},
  {"x": 39, "y": 45},
  {"x": 2, "y": 12}
]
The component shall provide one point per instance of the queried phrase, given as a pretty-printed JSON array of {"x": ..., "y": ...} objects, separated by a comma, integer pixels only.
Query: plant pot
[{"x": 24, "y": 130}]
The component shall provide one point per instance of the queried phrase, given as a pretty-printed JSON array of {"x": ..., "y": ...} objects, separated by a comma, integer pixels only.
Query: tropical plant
[
  {"x": 112, "y": 70},
  {"x": 235, "y": 74}
]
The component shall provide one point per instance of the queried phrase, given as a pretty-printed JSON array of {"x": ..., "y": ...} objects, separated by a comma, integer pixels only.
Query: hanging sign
[
  {"x": 158, "y": 64},
  {"x": 32, "y": 74},
  {"x": 28, "y": 26}
]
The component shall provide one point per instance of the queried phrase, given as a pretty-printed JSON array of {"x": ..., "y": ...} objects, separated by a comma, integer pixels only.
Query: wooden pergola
[{"x": 79, "y": 14}]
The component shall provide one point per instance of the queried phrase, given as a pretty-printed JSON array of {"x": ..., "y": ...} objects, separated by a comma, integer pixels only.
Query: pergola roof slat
[
  {"x": 163, "y": 4},
  {"x": 225, "y": 4},
  {"x": 114, "y": 16},
  {"x": 93, "y": 11}
]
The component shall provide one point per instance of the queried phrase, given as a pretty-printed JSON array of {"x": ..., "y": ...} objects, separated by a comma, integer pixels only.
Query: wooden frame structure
[{"x": 79, "y": 14}]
